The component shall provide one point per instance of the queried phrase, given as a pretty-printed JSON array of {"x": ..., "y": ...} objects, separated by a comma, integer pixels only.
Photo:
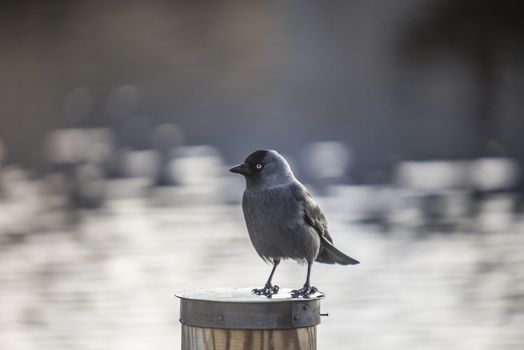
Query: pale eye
[{"x": 259, "y": 166}]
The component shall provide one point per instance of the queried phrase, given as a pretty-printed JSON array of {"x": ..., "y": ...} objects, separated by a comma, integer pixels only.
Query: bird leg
[
  {"x": 307, "y": 290},
  {"x": 268, "y": 290}
]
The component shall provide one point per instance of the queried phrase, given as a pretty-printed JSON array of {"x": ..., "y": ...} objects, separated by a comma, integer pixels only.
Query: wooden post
[{"x": 236, "y": 319}]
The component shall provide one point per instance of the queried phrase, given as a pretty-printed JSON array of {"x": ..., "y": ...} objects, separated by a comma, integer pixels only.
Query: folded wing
[{"x": 314, "y": 217}]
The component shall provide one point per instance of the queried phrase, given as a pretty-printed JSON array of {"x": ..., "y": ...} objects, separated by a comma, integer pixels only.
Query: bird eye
[{"x": 259, "y": 166}]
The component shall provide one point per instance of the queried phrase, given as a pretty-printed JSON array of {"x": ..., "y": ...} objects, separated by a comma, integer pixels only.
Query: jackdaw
[{"x": 283, "y": 220}]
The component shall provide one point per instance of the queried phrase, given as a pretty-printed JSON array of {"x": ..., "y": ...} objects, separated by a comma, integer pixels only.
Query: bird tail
[{"x": 328, "y": 254}]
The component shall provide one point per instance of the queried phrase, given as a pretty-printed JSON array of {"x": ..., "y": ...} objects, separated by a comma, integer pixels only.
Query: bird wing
[{"x": 313, "y": 215}]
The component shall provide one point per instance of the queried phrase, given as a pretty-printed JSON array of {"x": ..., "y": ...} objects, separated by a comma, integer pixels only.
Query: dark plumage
[
  {"x": 313, "y": 216},
  {"x": 282, "y": 218}
]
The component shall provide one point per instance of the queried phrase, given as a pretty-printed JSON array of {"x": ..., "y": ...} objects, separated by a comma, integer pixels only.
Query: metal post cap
[{"x": 238, "y": 308}]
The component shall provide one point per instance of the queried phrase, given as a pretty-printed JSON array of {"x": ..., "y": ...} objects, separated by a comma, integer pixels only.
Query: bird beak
[{"x": 242, "y": 169}]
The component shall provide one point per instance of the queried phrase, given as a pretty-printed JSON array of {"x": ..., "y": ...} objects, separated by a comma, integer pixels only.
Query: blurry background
[{"x": 119, "y": 120}]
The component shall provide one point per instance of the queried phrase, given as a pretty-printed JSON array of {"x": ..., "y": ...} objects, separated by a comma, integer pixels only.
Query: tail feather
[{"x": 328, "y": 254}]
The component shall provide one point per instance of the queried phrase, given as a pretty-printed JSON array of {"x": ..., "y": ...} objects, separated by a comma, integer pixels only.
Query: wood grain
[{"x": 196, "y": 338}]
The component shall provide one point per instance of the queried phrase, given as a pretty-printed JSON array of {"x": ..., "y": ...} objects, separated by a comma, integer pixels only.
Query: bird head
[{"x": 264, "y": 168}]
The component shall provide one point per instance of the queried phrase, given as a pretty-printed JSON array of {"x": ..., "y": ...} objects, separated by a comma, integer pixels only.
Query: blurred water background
[{"x": 119, "y": 120}]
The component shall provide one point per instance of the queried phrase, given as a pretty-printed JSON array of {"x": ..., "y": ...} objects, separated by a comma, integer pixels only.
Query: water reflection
[
  {"x": 118, "y": 123},
  {"x": 106, "y": 280}
]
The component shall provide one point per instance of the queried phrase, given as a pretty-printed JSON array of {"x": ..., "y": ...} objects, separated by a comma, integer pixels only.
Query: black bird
[{"x": 283, "y": 220}]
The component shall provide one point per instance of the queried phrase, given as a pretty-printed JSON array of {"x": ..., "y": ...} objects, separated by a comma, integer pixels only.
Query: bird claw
[
  {"x": 305, "y": 292},
  {"x": 268, "y": 290}
]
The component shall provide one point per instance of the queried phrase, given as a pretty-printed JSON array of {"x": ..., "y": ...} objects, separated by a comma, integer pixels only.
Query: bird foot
[
  {"x": 268, "y": 290},
  {"x": 304, "y": 292}
]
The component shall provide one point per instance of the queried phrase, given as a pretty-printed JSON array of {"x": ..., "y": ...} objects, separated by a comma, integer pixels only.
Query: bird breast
[{"x": 276, "y": 226}]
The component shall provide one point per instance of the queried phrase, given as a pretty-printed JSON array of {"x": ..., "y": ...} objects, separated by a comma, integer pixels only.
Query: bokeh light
[{"x": 119, "y": 122}]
